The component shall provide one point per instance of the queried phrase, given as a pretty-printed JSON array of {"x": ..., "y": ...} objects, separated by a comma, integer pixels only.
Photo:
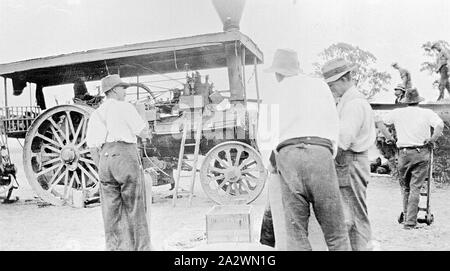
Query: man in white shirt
[
  {"x": 356, "y": 135},
  {"x": 111, "y": 136},
  {"x": 412, "y": 125},
  {"x": 303, "y": 154}
]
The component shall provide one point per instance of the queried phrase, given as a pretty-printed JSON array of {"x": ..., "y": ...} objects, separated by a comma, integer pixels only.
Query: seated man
[{"x": 81, "y": 93}]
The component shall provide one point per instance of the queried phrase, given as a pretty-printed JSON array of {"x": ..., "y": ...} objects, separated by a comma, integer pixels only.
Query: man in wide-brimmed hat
[
  {"x": 443, "y": 68},
  {"x": 405, "y": 75},
  {"x": 112, "y": 131},
  {"x": 399, "y": 92},
  {"x": 302, "y": 158},
  {"x": 412, "y": 125},
  {"x": 356, "y": 135}
]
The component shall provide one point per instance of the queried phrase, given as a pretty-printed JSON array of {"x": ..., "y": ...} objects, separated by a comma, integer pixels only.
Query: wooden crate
[{"x": 229, "y": 223}]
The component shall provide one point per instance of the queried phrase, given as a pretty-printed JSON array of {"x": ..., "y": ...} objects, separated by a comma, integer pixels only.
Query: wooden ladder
[{"x": 192, "y": 122}]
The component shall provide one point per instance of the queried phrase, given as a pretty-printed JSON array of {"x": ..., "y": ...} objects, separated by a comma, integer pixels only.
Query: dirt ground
[{"x": 25, "y": 225}]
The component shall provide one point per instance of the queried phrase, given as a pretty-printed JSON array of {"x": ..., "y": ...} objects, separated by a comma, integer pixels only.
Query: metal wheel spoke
[
  {"x": 245, "y": 185},
  {"x": 54, "y": 181},
  {"x": 83, "y": 181},
  {"x": 216, "y": 178},
  {"x": 69, "y": 120},
  {"x": 251, "y": 176},
  {"x": 84, "y": 151},
  {"x": 86, "y": 172},
  {"x": 56, "y": 126},
  {"x": 248, "y": 170},
  {"x": 66, "y": 182},
  {"x": 57, "y": 151},
  {"x": 218, "y": 170},
  {"x": 237, "y": 189},
  {"x": 77, "y": 180},
  {"x": 81, "y": 143},
  {"x": 47, "y": 170},
  {"x": 223, "y": 183},
  {"x": 70, "y": 185},
  {"x": 57, "y": 159},
  {"x": 228, "y": 189},
  {"x": 93, "y": 171},
  {"x": 221, "y": 162},
  {"x": 246, "y": 162},
  {"x": 238, "y": 157},
  {"x": 228, "y": 154},
  {"x": 48, "y": 140},
  {"x": 248, "y": 183},
  {"x": 87, "y": 161},
  {"x": 55, "y": 134},
  {"x": 80, "y": 126}
]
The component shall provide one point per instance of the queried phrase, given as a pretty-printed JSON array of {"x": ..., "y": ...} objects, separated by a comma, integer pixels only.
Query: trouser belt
[{"x": 310, "y": 140}]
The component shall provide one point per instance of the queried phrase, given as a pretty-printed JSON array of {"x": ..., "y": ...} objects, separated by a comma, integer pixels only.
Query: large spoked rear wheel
[
  {"x": 56, "y": 159},
  {"x": 233, "y": 173}
]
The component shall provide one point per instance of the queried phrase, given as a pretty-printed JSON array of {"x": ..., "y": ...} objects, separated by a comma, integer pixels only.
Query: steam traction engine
[{"x": 196, "y": 120}]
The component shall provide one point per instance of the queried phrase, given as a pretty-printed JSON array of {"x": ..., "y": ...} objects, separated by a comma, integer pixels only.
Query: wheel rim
[
  {"x": 233, "y": 173},
  {"x": 56, "y": 158}
]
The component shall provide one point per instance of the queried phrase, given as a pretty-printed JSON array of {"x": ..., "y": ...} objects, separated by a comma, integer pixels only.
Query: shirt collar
[{"x": 350, "y": 93}]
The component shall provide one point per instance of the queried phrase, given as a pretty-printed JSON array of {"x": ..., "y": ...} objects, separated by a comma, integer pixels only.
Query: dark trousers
[
  {"x": 308, "y": 177},
  {"x": 354, "y": 173},
  {"x": 122, "y": 195},
  {"x": 413, "y": 169},
  {"x": 444, "y": 82}
]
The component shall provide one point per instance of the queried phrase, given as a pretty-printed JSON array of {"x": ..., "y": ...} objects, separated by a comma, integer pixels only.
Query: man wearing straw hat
[
  {"x": 412, "y": 125},
  {"x": 356, "y": 135},
  {"x": 399, "y": 92},
  {"x": 111, "y": 136},
  {"x": 303, "y": 155}
]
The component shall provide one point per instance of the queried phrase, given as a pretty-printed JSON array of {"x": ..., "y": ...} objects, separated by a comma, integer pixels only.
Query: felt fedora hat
[
  {"x": 285, "y": 62},
  {"x": 336, "y": 68},
  {"x": 111, "y": 81},
  {"x": 412, "y": 97}
]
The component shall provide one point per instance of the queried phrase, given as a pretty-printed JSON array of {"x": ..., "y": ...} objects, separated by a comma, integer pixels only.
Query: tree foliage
[
  {"x": 430, "y": 65},
  {"x": 368, "y": 79}
]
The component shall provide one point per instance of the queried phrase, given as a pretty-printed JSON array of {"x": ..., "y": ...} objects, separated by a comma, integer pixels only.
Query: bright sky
[{"x": 392, "y": 30}]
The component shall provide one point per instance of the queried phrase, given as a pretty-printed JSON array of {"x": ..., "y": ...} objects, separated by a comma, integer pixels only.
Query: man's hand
[{"x": 430, "y": 142}]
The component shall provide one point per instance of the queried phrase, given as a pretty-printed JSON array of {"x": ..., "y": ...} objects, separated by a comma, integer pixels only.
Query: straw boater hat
[
  {"x": 412, "y": 97},
  {"x": 285, "y": 62},
  {"x": 336, "y": 68},
  {"x": 111, "y": 81}
]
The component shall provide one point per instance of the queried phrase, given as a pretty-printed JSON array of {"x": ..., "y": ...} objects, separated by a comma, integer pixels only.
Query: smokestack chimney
[{"x": 230, "y": 13}]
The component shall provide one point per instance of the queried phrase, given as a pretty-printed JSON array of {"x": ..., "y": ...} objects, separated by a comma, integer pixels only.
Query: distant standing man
[
  {"x": 111, "y": 136},
  {"x": 412, "y": 125},
  {"x": 304, "y": 155},
  {"x": 442, "y": 67},
  {"x": 405, "y": 75},
  {"x": 356, "y": 135}
]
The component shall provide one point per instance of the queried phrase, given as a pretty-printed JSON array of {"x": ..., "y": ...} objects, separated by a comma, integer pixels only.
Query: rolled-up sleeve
[
  {"x": 351, "y": 121},
  {"x": 435, "y": 120}
]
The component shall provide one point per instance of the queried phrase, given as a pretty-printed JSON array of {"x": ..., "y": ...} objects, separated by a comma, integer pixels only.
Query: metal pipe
[
  {"x": 244, "y": 84},
  {"x": 255, "y": 67},
  {"x": 6, "y": 92},
  {"x": 137, "y": 88}
]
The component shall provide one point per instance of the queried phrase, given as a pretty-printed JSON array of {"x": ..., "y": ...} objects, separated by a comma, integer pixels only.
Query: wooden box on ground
[{"x": 229, "y": 223}]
